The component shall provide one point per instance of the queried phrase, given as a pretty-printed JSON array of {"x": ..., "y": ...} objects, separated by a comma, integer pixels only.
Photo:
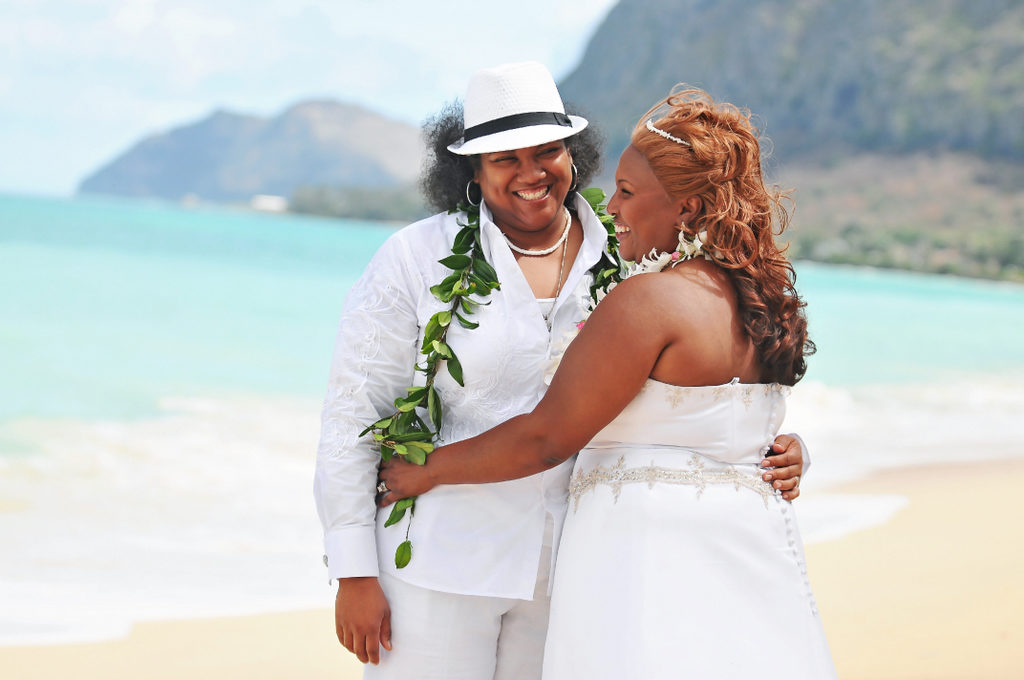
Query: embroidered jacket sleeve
[{"x": 373, "y": 360}]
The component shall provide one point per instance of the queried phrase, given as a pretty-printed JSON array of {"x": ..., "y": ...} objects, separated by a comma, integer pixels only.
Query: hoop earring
[
  {"x": 575, "y": 178},
  {"x": 470, "y": 200}
]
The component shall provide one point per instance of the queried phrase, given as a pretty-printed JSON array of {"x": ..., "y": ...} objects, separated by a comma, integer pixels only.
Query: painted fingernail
[
  {"x": 767, "y": 477},
  {"x": 777, "y": 485}
]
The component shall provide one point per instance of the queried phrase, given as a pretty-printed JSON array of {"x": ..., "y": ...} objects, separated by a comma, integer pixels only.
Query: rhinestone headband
[{"x": 666, "y": 135}]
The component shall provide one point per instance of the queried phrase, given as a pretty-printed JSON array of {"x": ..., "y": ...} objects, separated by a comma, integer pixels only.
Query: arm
[
  {"x": 591, "y": 387},
  {"x": 372, "y": 364},
  {"x": 601, "y": 372}
]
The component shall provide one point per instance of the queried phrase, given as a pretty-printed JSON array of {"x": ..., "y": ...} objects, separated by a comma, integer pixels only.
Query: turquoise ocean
[{"x": 161, "y": 369}]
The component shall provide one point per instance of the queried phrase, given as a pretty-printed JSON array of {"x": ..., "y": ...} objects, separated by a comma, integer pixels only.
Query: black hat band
[{"x": 518, "y": 120}]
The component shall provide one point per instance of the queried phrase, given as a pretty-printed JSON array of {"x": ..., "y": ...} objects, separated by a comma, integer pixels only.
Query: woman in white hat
[{"x": 471, "y": 601}]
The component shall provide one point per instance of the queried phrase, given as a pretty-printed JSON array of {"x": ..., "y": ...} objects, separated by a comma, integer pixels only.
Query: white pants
[{"x": 445, "y": 636}]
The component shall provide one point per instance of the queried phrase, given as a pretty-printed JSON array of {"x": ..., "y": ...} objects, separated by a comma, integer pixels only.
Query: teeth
[
  {"x": 533, "y": 195},
  {"x": 620, "y": 229}
]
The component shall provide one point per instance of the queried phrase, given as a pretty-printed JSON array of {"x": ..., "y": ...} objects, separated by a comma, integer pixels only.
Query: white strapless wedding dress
[{"x": 677, "y": 560}]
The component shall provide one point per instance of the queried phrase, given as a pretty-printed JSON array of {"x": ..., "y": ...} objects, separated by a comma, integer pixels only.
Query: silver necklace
[
  {"x": 545, "y": 251},
  {"x": 561, "y": 267},
  {"x": 558, "y": 286}
]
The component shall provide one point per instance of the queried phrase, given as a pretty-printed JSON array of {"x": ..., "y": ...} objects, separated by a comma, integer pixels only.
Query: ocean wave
[
  {"x": 204, "y": 511},
  {"x": 853, "y": 432}
]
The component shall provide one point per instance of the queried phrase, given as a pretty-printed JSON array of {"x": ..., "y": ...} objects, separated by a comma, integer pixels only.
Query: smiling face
[
  {"x": 646, "y": 216},
  {"x": 525, "y": 189}
]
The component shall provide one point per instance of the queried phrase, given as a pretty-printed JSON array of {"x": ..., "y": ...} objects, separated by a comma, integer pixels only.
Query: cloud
[{"x": 88, "y": 77}]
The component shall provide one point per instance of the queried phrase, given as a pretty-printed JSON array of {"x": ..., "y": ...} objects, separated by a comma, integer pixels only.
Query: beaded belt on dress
[{"x": 695, "y": 474}]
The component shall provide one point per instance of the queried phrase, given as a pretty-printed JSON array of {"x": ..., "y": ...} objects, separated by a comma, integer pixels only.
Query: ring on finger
[{"x": 382, "y": 487}]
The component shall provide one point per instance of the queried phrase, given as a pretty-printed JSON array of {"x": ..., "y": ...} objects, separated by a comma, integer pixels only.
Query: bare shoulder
[
  {"x": 635, "y": 296},
  {"x": 702, "y": 277},
  {"x": 690, "y": 290}
]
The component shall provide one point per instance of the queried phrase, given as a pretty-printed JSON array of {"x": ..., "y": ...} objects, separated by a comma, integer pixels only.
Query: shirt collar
[{"x": 595, "y": 236}]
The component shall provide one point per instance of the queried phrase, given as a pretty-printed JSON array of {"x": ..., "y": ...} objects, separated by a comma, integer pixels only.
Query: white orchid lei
[
  {"x": 654, "y": 261},
  {"x": 651, "y": 263}
]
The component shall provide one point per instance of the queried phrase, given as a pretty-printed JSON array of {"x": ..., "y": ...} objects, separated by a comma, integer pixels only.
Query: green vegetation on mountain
[
  {"x": 390, "y": 204},
  {"x": 944, "y": 213},
  {"x": 873, "y": 75}
]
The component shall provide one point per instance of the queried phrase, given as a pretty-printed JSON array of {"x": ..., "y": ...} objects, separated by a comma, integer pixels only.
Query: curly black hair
[{"x": 445, "y": 175}]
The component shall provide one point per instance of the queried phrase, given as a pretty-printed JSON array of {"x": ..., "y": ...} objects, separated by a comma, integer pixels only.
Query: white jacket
[{"x": 472, "y": 539}]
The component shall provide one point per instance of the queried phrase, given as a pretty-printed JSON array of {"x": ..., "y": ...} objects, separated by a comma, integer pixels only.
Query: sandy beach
[
  {"x": 264, "y": 647},
  {"x": 933, "y": 594},
  {"x": 936, "y": 593}
]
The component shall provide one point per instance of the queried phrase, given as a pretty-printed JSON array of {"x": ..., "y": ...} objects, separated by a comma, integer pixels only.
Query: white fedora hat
[{"x": 513, "y": 106}]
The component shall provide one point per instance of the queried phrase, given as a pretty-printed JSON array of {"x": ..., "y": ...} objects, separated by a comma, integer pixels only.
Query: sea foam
[{"x": 204, "y": 511}]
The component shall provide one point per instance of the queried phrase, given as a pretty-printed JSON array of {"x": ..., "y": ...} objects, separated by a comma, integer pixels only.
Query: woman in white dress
[{"x": 676, "y": 558}]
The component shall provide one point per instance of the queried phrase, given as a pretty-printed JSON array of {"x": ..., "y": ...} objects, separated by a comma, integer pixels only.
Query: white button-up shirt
[{"x": 477, "y": 539}]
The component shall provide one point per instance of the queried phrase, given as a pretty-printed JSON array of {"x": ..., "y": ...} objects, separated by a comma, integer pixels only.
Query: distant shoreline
[{"x": 944, "y": 213}]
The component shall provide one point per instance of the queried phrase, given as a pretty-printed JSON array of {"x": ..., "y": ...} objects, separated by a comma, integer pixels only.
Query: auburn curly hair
[{"x": 721, "y": 165}]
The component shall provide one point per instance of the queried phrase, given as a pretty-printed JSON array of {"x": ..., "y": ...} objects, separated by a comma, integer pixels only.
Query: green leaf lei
[
  {"x": 608, "y": 269},
  {"x": 404, "y": 432}
]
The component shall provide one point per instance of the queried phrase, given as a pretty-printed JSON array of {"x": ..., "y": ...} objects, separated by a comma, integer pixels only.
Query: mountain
[
  {"x": 898, "y": 122},
  {"x": 823, "y": 76},
  {"x": 231, "y": 157}
]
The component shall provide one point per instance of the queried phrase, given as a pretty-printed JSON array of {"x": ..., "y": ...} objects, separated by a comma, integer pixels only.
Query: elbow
[
  {"x": 541, "y": 445},
  {"x": 553, "y": 450},
  {"x": 553, "y": 461}
]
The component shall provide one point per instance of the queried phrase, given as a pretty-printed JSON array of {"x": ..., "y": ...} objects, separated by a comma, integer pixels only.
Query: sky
[{"x": 83, "y": 80}]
